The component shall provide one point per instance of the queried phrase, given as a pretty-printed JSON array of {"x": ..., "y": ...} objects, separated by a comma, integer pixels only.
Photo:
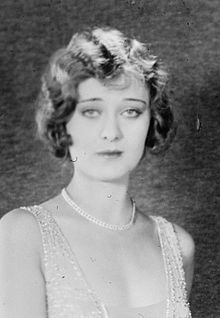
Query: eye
[
  {"x": 132, "y": 112},
  {"x": 90, "y": 113}
]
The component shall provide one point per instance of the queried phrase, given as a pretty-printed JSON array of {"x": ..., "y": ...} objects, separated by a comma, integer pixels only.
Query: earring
[{"x": 74, "y": 159}]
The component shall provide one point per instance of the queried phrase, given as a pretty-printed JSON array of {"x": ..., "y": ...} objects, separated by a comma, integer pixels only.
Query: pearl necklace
[{"x": 93, "y": 219}]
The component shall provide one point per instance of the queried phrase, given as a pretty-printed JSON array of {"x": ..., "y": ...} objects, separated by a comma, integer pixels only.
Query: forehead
[{"x": 122, "y": 87}]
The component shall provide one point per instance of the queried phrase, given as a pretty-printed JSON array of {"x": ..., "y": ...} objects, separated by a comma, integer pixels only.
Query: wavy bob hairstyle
[{"x": 104, "y": 54}]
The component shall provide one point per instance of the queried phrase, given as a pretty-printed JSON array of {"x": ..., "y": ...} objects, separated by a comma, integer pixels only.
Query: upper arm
[
  {"x": 22, "y": 288},
  {"x": 187, "y": 247}
]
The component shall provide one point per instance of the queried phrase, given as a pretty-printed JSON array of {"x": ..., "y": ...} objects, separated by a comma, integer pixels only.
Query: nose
[{"x": 111, "y": 129}]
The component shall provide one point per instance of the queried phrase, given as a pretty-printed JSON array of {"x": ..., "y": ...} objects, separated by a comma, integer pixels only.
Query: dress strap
[
  {"x": 174, "y": 267},
  {"x": 44, "y": 221},
  {"x": 63, "y": 272}
]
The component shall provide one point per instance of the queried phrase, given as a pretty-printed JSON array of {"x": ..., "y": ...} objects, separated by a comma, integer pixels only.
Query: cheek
[
  {"x": 83, "y": 144},
  {"x": 138, "y": 139},
  {"x": 139, "y": 134},
  {"x": 78, "y": 133}
]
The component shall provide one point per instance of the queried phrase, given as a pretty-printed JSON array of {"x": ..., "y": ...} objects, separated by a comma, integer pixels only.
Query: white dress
[{"x": 69, "y": 294}]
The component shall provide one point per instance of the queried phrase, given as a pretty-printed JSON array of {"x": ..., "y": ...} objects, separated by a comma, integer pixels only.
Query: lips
[{"x": 110, "y": 153}]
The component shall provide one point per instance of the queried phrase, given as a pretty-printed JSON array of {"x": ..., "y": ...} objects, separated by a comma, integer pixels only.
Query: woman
[{"x": 92, "y": 253}]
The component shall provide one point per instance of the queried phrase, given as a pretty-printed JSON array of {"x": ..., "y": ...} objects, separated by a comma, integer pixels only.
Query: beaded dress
[{"x": 69, "y": 294}]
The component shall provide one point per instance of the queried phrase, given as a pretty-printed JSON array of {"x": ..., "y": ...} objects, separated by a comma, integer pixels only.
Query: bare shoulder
[
  {"x": 18, "y": 228},
  {"x": 186, "y": 242},
  {"x": 21, "y": 266},
  {"x": 18, "y": 218},
  {"x": 187, "y": 247}
]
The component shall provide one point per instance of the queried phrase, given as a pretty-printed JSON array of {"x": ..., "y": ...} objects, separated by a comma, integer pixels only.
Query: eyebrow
[
  {"x": 100, "y": 99},
  {"x": 136, "y": 100},
  {"x": 94, "y": 99}
]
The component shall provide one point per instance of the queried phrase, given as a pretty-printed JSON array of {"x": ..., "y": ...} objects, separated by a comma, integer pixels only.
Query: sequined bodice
[{"x": 68, "y": 292}]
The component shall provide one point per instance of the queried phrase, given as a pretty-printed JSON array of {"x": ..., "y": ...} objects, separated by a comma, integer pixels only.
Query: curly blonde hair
[{"x": 104, "y": 54}]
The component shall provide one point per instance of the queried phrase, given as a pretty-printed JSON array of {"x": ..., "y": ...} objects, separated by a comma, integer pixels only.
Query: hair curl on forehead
[{"x": 105, "y": 54}]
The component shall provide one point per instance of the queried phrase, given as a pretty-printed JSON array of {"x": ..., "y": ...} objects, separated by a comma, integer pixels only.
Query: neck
[{"x": 107, "y": 201}]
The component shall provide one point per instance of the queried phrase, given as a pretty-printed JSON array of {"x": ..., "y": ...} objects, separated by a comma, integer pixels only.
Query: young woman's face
[{"x": 109, "y": 128}]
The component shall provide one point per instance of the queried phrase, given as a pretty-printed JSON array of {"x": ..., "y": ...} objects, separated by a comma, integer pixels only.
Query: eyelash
[
  {"x": 90, "y": 112},
  {"x": 137, "y": 111}
]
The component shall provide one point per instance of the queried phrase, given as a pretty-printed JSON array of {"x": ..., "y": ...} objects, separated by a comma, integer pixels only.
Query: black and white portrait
[{"x": 109, "y": 166}]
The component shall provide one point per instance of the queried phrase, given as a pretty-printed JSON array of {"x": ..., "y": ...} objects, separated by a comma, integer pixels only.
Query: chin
[
  {"x": 113, "y": 179},
  {"x": 111, "y": 174},
  {"x": 105, "y": 171}
]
